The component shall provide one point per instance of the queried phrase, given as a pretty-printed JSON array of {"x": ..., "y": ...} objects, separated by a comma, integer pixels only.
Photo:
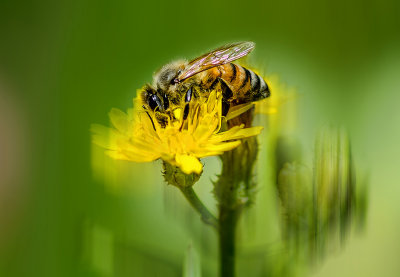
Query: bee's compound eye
[
  {"x": 166, "y": 101},
  {"x": 154, "y": 102},
  {"x": 188, "y": 96}
]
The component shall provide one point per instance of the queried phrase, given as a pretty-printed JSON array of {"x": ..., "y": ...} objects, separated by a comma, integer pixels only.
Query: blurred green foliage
[{"x": 66, "y": 63}]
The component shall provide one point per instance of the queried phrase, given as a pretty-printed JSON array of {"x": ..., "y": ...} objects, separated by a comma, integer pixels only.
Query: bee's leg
[
  {"x": 186, "y": 111},
  {"x": 225, "y": 107},
  {"x": 188, "y": 97},
  {"x": 226, "y": 95}
]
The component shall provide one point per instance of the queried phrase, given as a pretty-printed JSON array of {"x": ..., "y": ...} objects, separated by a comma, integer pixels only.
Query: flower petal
[
  {"x": 238, "y": 110},
  {"x": 120, "y": 121},
  {"x": 189, "y": 164}
]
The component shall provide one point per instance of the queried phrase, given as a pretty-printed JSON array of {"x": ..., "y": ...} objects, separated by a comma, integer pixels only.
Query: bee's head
[{"x": 156, "y": 100}]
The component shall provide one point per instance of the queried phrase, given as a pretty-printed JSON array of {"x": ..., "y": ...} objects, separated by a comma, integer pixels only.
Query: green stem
[
  {"x": 196, "y": 203},
  {"x": 227, "y": 226}
]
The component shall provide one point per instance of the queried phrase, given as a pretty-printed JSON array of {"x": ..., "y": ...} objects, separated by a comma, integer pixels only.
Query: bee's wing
[{"x": 217, "y": 57}]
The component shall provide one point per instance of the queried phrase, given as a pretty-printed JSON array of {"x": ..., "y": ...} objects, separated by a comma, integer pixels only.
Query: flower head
[{"x": 138, "y": 136}]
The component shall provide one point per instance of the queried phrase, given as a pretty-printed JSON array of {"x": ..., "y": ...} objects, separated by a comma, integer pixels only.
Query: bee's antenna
[
  {"x": 152, "y": 122},
  {"x": 185, "y": 115}
]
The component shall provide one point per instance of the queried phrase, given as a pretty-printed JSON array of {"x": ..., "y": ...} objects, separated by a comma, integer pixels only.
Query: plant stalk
[
  {"x": 196, "y": 203},
  {"x": 227, "y": 230}
]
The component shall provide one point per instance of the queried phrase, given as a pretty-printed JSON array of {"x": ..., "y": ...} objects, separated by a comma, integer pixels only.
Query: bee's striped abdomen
[{"x": 246, "y": 86}]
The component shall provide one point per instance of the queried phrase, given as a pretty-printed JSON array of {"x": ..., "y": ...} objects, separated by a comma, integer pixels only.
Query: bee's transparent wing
[{"x": 217, "y": 57}]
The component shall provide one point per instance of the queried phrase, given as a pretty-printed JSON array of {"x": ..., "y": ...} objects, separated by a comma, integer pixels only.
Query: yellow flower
[{"x": 137, "y": 136}]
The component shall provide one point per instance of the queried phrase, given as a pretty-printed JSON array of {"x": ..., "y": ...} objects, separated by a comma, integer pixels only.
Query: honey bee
[{"x": 177, "y": 83}]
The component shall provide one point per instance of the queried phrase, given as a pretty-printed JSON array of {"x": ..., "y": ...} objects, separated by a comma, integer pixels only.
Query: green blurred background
[{"x": 65, "y": 64}]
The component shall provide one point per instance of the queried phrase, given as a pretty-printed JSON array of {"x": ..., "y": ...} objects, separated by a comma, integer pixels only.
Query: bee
[{"x": 177, "y": 83}]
